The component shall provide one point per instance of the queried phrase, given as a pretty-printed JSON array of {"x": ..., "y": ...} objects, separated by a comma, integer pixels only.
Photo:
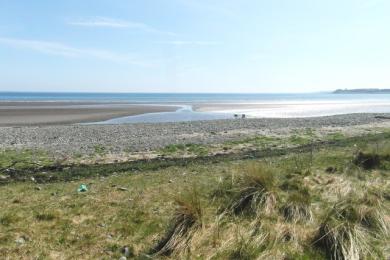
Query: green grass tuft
[
  {"x": 254, "y": 191},
  {"x": 349, "y": 228},
  {"x": 186, "y": 220},
  {"x": 45, "y": 216},
  {"x": 298, "y": 207}
]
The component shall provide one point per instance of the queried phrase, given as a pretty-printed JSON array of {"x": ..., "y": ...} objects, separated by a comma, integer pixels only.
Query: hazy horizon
[
  {"x": 139, "y": 92},
  {"x": 194, "y": 46}
]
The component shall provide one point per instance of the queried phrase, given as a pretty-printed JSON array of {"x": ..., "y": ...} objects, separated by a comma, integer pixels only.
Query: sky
[{"x": 215, "y": 46}]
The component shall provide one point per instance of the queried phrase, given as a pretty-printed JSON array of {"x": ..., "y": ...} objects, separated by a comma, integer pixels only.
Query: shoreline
[
  {"x": 44, "y": 113},
  {"x": 19, "y": 114}
]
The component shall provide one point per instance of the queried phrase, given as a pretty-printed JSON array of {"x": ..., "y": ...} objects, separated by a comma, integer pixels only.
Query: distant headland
[{"x": 362, "y": 91}]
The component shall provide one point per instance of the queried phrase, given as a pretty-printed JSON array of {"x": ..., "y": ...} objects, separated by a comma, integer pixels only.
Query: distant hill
[{"x": 362, "y": 91}]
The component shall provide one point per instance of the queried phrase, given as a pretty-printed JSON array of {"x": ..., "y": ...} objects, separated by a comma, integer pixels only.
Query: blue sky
[{"x": 194, "y": 45}]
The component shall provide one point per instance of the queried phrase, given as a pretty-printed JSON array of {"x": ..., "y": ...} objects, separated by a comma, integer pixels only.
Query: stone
[
  {"x": 126, "y": 251},
  {"x": 21, "y": 240}
]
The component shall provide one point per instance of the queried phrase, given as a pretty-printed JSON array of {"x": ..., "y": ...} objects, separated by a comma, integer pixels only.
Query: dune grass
[
  {"x": 297, "y": 208},
  {"x": 351, "y": 226},
  {"x": 253, "y": 191},
  {"x": 187, "y": 219},
  {"x": 271, "y": 209}
]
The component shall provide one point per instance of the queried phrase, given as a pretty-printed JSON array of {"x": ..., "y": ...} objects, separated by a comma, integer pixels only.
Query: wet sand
[
  {"x": 295, "y": 109},
  {"x": 61, "y": 113}
]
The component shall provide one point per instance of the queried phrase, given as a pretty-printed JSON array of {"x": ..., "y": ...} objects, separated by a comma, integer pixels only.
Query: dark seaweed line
[{"x": 58, "y": 173}]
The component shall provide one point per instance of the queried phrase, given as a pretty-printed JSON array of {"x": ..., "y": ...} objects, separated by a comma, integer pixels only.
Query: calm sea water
[
  {"x": 279, "y": 105},
  {"x": 190, "y": 98}
]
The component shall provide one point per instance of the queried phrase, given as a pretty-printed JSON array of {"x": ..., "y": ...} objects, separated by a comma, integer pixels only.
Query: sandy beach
[
  {"x": 57, "y": 113},
  {"x": 285, "y": 109}
]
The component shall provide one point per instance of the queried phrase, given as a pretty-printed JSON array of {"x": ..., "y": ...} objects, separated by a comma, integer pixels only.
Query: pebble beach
[{"x": 64, "y": 139}]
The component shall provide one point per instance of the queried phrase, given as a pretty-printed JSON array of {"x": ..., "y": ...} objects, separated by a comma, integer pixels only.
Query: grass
[
  {"x": 8, "y": 219},
  {"x": 100, "y": 149},
  {"x": 349, "y": 227},
  {"x": 298, "y": 207},
  {"x": 24, "y": 158},
  {"x": 186, "y": 220},
  {"x": 342, "y": 240},
  {"x": 336, "y": 136},
  {"x": 253, "y": 192},
  {"x": 185, "y": 149},
  {"x": 45, "y": 216},
  {"x": 244, "y": 248},
  {"x": 273, "y": 209},
  {"x": 260, "y": 140}
]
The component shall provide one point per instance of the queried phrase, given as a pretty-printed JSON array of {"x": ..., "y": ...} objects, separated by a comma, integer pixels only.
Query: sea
[{"x": 285, "y": 105}]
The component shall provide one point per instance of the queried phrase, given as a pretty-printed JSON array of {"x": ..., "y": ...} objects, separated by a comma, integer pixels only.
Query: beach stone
[
  {"x": 123, "y": 258},
  {"x": 38, "y": 188},
  {"x": 122, "y": 189},
  {"x": 68, "y": 139}
]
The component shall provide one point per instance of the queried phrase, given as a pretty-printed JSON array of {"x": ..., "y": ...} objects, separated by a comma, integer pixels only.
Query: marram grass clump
[
  {"x": 254, "y": 191},
  {"x": 350, "y": 227},
  {"x": 298, "y": 207},
  {"x": 187, "y": 219},
  {"x": 374, "y": 214}
]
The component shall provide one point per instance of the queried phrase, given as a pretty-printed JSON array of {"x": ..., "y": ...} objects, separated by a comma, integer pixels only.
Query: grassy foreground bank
[{"x": 331, "y": 202}]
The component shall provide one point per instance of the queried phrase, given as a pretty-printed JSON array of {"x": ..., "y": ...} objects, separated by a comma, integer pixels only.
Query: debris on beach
[{"x": 82, "y": 188}]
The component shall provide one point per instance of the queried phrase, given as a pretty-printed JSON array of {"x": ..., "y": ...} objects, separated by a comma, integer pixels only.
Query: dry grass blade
[
  {"x": 254, "y": 191},
  {"x": 350, "y": 227},
  {"x": 342, "y": 240},
  {"x": 298, "y": 207},
  {"x": 374, "y": 214},
  {"x": 186, "y": 220}
]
